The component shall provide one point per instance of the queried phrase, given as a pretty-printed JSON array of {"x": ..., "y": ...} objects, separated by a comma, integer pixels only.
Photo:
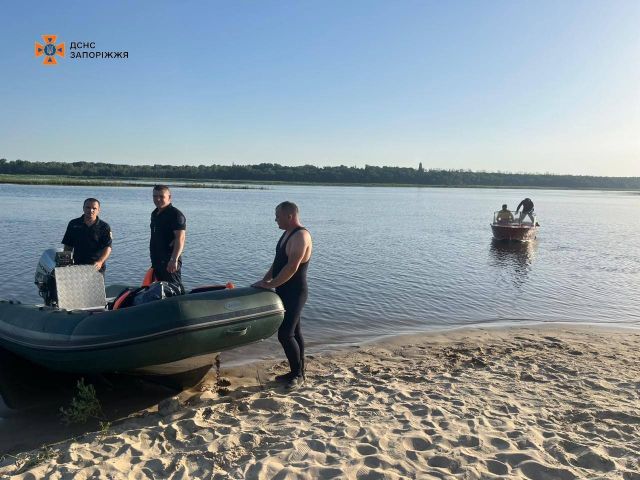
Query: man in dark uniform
[
  {"x": 288, "y": 275},
  {"x": 89, "y": 237},
  {"x": 168, "y": 232},
  {"x": 527, "y": 209}
]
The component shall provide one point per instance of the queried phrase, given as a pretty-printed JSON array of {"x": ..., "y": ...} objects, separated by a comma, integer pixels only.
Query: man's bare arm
[
  {"x": 104, "y": 254},
  {"x": 264, "y": 283},
  {"x": 298, "y": 246},
  {"x": 269, "y": 275},
  {"x": 178, "y": 245}
]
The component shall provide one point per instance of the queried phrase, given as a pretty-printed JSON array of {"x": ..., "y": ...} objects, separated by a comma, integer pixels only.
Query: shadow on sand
[{"x": 31, "y": 397}]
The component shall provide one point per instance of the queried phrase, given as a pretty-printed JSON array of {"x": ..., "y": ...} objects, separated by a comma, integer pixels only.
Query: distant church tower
[{"x": 420, "y": 169}]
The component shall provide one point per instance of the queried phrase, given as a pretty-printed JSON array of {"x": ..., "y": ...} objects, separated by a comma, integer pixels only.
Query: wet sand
[{"x": 548, "y": 402}]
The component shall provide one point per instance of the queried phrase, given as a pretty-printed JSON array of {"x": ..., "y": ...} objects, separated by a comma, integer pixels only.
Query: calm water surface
[{"x": 387, "y": 261}]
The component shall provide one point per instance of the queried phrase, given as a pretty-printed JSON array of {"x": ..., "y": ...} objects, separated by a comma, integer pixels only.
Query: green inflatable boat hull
[{"x": 153, "y": 333}]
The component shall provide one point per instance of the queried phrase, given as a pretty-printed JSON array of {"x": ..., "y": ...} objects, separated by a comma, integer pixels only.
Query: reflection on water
[{"x": 515, "y": 258}]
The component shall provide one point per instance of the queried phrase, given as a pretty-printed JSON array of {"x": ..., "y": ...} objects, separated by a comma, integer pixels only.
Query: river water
[{"x": 386, "y": 261}]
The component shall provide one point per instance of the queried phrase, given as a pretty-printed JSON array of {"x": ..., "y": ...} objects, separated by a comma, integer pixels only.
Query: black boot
[
  {"x": 285, "y": 377},
  {"x": 294, "y": 383}
]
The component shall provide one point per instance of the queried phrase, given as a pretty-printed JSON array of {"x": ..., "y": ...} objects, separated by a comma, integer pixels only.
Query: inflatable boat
[{"x": 101, "y": 338}]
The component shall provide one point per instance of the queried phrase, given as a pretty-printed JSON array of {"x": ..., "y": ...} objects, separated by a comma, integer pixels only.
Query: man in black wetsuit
[
  {"x": 89, "y": 237},
  {"x": 288, "y": 275},
  {"x": 168, "y": 233},
  {"x": 527, "y": 209}
]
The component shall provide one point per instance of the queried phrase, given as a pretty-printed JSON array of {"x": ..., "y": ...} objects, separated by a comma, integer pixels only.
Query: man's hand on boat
[
  {"x": 98, "y": 265},
  {"x": 262, "y": 284}
]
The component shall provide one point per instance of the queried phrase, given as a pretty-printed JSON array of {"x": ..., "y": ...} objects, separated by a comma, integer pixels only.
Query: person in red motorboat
[
  {"x": 504, "y": 216},
  {"x": 527, "y": 210}
]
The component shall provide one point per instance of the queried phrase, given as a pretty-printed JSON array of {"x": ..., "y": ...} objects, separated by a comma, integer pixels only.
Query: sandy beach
[{"x": 548, "y": 402}]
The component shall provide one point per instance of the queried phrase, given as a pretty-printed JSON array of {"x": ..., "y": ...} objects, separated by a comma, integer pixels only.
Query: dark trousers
[
  {"x": 160, "y": 273},
  {"x": 289, "y": 333}
]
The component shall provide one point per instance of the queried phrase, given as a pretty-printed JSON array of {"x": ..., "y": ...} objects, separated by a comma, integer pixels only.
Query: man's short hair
[
  {"x": 91, "y": 200},
  {"x": 289, "y": 208},
  {"x": 161, "y": 188},
  {"x": 504, "y": 207}
]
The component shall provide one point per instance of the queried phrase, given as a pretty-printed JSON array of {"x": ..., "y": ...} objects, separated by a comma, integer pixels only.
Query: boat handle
[{"x": 238, "y": 332}]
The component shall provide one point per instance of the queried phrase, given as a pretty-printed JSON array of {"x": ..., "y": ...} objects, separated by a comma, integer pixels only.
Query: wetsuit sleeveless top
[
  {"x": 298, "y": 282},
  {"x": 294, "y": 295}
]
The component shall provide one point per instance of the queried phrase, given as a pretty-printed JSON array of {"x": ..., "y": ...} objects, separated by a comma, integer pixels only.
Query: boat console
[{"x": 66, "y": 286}]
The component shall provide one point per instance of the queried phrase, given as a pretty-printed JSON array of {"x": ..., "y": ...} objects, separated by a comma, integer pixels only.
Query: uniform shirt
[
  {"x": 163, "y": 225},
  {"x": 87, "y": 242}
]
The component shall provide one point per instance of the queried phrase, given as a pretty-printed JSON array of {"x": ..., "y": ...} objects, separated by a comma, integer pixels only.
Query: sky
[{"x": 517, "y": 86}]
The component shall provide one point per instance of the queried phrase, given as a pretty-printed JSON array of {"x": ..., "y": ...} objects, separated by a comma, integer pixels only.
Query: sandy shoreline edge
[{"x": 538, "y": 402}]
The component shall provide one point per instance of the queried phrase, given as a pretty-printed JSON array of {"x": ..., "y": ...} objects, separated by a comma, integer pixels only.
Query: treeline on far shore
[{"x": 273, "y": 172}]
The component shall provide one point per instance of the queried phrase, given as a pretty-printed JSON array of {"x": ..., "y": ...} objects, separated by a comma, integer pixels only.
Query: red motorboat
[{"x": 508, "y": 228}]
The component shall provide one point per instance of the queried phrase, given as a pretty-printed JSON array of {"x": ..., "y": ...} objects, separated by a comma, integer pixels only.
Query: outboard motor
[{"x": 45, "y": 273}]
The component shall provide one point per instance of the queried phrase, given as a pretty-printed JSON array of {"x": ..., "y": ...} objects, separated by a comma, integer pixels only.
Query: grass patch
[
  {"x": 57, "y": 180},
  {"x": 84, "y": 406}
]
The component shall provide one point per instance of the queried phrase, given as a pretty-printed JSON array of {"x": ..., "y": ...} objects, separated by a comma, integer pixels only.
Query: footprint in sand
[
  {"x": 249, "y": 439},
  {"x": 365, "y": 449},
  {"x": 317, "y": 445},
  {"x": 593, "y": 461},
  {"x": 539, "y": 471},
  {"x": 365, "y": 473},
  {"x": 553, "y": 339},
  {"x": 428, "y": 424},
  {"x": 354, "y": 432},
  {"x": 470, "y": 441},
  {"x": 153, "y": 466},
  {"x": 301, "y": 416},
  {"x": 497, "y": 468},
  {"x": 420, "y": 411},
  {"x": 525, "y": 444},
  {"x": 471, "y": 423},
  {"x": 509, "y": 409},
  {"x": 618, "y": 452},
  {"x": 187, "y": 426},
  {"x": 622, "y": 417},
  {"x": 436, "y": 412},
  {"x": 513, "y": 459},
  {"x": 440, "y": 461},
  {"x": 416, "y": 443},
  {"x": 573, "y": 447},
  {"x": 500, "y": 443},
  {"x": 268, "y": 404},
  {"x": 373, "y": 462},
  {"x": 327, "y": 473}
]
